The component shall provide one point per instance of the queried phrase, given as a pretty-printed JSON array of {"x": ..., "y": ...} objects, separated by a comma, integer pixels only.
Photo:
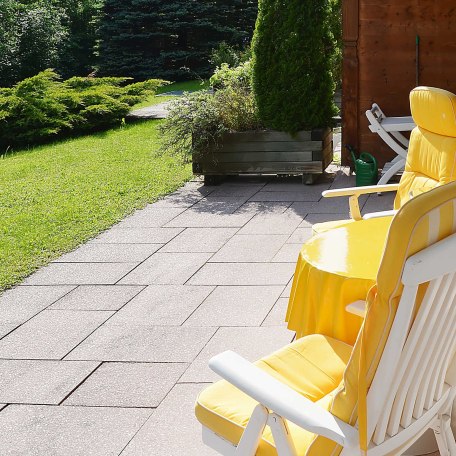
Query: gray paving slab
[
  {"x": 284, "y": 223},
  {"x": 287, "y": 290},
  {"x": 110, "y": 253},
  {"x": 172, "y": 430},
  {"x": 200, "y": 240},
  {"x": 193, "y": 218},
  {"x": 150, "y": 217},
  {"x": 41, "y": 382},
  {"x": 235, "y": 306},
  {"x": 288, "y": 253},
  {"x": 97, "y": 297},
  {"x": 80, "y": 274},
  {"x": 295, "y": 185},
  {"x": 137, "y": 236},
  {"x": 163, "y": 305},
  {"x": 21, "y": 303},
  {"x": 383, "y": 202},
  {"x": 153, "y": 344},
  {"x": 243, "y": 274},
  {"x": 219, "y": 204},
  {"x": 251, "y": 343},
  {"x": 302, "y": 195},
  {"x": 166, "y": 268},
  {"x": 231, "y": 190},
  {"x": 276, "y": 316},
  {"x": 256, "y": 248},
  {"x": 185, "y": 197},
  {"x": 2, "y": 406},
  {"x": 127, "y": 385},
  {"x": 6, "y": 328},
  {"x": 300, "y": 235},
  {"x": 51, "y": 334},
  {"x": 264, "y": 207},
  {"x": 38, "y": 430},
  {"x": 325, "y": 206}
]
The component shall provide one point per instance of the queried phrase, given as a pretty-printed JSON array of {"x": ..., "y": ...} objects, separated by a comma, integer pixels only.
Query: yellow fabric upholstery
[
  {"x": 421, "y": 222},
  {"x": 313, "y": 366},
  {"x": 327, "y": 370},
  {"x": 431, "y": 157}
]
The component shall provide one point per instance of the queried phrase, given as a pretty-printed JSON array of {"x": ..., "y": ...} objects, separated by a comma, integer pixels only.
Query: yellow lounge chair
[
  {"x": 430, "y": 161},
  {"x": 319, "y": 396}
]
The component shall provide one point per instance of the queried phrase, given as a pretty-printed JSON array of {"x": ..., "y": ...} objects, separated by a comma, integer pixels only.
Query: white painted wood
[
  {"x": 357, "y": 308},
  {"x": 281, "y": 399},
  {"x": 389, "y": 128},
  {"x": 435, "y": 261},
  {"x": 217, "y": 443},
  {"x": 409, "y": 393},
  {"x": 253, "y": 432},
  {"x": 281, "y": 435}
]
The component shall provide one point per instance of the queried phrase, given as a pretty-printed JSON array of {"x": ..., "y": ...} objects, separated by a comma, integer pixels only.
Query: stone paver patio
[{"x": 104, "y": 351}]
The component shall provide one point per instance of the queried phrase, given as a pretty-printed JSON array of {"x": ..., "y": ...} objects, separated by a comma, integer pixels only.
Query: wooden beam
[{"x": 350, "y": 78}]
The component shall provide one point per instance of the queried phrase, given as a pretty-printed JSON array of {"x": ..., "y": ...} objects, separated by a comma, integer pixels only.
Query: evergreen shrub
[
  {"x": 293, "y": 56},
  {"x": 44, "y": 107},
  {"x": 198, "y": 120}
]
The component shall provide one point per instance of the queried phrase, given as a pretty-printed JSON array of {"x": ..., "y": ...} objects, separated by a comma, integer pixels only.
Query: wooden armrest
[
  {"x": 357, "y": 308},
  {"x": 358, "y": 191},
  {"x": 281, "y": 399}
]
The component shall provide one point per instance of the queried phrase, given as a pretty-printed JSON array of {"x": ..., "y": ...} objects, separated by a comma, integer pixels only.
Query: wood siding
[
  {"x": 267, "y": 152},
  {"x": 380, "y": 64}
]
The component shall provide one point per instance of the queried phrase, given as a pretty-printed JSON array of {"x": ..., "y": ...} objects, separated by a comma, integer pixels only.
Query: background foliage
[
  {"x": 39, "y": 34},
  {"x": 171, "y": 39},
  {"x": 294, "y": 57}
]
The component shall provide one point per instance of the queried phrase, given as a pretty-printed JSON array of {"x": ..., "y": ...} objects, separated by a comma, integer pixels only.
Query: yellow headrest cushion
[{"x": 434, "y": 110}]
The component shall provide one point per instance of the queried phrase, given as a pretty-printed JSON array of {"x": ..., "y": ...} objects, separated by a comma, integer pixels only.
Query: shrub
[
  {"x": 226, "y": 76},
  {"x": 43, "y": 107},
  {"x": 230, "y": 55},
  {"x": 198, "y": 120},
  {"x": 293, "y": 55}
]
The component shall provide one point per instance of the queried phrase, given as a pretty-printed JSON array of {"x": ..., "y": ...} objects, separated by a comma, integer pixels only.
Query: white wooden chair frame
[
  {"x": 389, "y": 128},
  {"x": 413, "y": 388}
]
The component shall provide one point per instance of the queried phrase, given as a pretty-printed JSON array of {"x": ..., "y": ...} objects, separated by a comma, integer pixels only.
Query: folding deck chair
[
  {"x": 322, "y": 397},
  {"x": 389, "y": 128}
]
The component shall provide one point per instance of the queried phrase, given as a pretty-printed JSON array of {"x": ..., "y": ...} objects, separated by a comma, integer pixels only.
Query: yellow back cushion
[
  {"x": 432, "y": 151},
  {"x": 421, "y": 222}
]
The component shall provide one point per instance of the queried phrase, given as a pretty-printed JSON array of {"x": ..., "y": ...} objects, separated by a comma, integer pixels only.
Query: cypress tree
[{"x": 293, "y": 49}]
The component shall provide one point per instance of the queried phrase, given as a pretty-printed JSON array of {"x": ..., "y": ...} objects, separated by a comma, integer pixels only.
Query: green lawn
[
  {"x": 57, "y": 196},
  {"x": 186, "y": 86}
]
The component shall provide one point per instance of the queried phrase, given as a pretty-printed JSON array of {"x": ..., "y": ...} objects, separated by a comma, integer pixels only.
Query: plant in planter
[
  {"x": 282, "y": 126},
  {"x": 294, "y": 48}
]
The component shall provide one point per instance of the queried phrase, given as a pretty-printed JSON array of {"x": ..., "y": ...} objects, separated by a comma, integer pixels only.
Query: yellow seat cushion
[{"x": 313, "y": 366}]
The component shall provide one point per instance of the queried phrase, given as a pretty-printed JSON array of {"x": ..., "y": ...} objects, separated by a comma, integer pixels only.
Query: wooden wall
[{"x": 379, "y": 60}]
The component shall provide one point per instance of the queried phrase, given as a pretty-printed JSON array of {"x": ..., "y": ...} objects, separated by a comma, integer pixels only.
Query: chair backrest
[
  {"x": 431, "y": 155},
  {"x": 398, "y": 368}
]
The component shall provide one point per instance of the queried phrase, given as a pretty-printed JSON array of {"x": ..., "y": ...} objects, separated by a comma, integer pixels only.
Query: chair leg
[
  {"x": 253, "y": 432},
  {"x": 282, "y": 439},
  {"x": 444, "y": 436}
]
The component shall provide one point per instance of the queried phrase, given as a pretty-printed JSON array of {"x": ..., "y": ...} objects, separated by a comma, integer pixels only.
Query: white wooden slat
[
  {"x": 415, "y": 351},
  {"x": 385, "y": 384},
  {"x": 435, "y": 261},
  {"x": 417, "y": 392},
  {"x": 435, "y": 374}
]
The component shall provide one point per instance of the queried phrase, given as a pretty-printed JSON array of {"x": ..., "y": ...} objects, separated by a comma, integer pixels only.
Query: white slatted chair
[
  {"x": 430, "y": 160},
  {"x": 399, "y": 380},
  {"x": 389, "y": 128}
]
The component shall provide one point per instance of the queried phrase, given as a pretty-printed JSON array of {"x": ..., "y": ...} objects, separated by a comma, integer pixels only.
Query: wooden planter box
[{"x": 307, "y": 153}]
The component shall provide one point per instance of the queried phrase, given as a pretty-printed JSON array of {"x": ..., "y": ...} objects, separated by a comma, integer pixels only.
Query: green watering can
[{"x": 366, "y": 168}]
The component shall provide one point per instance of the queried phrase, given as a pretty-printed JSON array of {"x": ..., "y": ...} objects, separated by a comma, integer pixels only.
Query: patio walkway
[{"x": 104, "y": 351}]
